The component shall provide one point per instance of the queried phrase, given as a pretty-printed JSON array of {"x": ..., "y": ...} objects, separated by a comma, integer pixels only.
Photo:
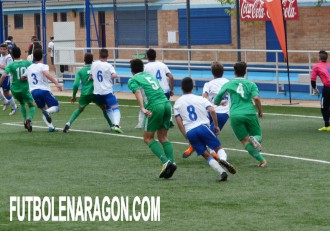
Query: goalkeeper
[{"x": 322, "y": 69}]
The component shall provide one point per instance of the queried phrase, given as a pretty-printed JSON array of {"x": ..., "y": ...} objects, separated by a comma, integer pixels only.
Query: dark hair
[
  {"x": 16, "y": 52},
  {"x": 10, "y": 37},
  {"x": 323, "y": 56},
  {"x": 104, "y": 53},
  {"x": 4, "y": 45},
  {"x": 88, "y": 58},
  {"x": 240, "y": 69},
  {"x": 151, "y": 54},
  {"x": 51, "y": 38},
  {"x": 217, "y": 69},
  {"x": 136, "y": 66},
  {"x": 37, "y": 54},
  {"x": 187, "y": 85}
]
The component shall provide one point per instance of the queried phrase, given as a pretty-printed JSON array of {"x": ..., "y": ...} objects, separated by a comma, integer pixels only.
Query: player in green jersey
[
  {"x": 20, "y": 87},
  {"x": 86, "y": 96},
  {"x": 243, "y": 118},
  {"x": 157, "y": 110}
]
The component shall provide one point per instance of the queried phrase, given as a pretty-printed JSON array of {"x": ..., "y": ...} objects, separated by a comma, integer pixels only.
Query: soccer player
[
  {"x": 102, "y": 73},
  {"x": 38, "y": 76},
  {"x": 210, "y": 90},
  {"x": 86, "y": 96},
  {"x": 322, "y": 69},
  {"x": 165, "y": 78},
  {"x": 243, "y": 118},
  {"x": 191, "y": 114},
  {"x": 157, "y": 109},
  {"x": 5, "y": 59},
  {"x": 20, "y": 87}
]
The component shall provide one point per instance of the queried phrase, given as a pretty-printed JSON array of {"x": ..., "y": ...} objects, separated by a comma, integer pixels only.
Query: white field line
[{"x": 181, "y": 143}]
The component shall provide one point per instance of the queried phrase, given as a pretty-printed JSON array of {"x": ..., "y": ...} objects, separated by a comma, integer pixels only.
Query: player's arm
[
  {"x": 75, "y": 87},
  {"x": 313, "y": 81},
  {"x": 52, "y": 79},
  {"x": 134, "y": 87},
  {"x": 180, "y": 126},
  {"x": 257, "y": 102},
  {"x": 218, "y": 98},
  {"x": 3, "y": 76},
  {"x": 171, "y": 83},
  {"x": 214, "y": 118}
]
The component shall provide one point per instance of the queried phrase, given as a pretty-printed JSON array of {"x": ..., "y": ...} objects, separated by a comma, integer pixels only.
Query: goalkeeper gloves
[{"x": 315, "y": 92}]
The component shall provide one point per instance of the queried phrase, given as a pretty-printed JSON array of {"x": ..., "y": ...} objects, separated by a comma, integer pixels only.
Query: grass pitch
[{"x": 292, "y": 193}]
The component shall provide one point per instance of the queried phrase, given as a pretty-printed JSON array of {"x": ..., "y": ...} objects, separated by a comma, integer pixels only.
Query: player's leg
[
  {"x": 113, "y": 111},
  {"x": 8, "y": 95},
  {"x": 168, "y": 95},
  {"x": 222, "y": 119},
  {"x": 53, "y": 107},
  {"x": 84, "y": 100},
  {"x": 97, "y": 99},
  {"x": 4, "y": 100},
  {"x": 325, "y": 106}
]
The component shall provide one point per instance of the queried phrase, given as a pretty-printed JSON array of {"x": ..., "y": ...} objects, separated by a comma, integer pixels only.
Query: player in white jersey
[
  {"x": 165, "y": 79},
  {"x": 6, "y": 97},
  {"x": 191, "y": 113},
  {"x": 210, "y": 90},
  {"x": 102, "y": 73},
  {"x": 38, "y": 75}
]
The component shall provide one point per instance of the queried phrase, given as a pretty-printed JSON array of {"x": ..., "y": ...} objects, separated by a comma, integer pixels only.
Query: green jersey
[
  {"x": 87, "y": 84},
  {"x": 17, "y": 70},
  {"x": 152, "y": 93},
  {"x": 241, "y": 93}
]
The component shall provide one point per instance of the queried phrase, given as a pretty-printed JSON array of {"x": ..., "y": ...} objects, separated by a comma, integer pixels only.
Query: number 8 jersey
[{"x": 193, "y": 110}]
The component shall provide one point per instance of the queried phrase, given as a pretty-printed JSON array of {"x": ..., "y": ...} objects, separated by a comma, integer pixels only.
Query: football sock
[
  {"x": 215, "y": 165},
  {"x": 158, "y": 151},
  {"x": 3, "y": 98},
  {"x": 107, "y": 118},
  {"x": 32, "y": 110},
  {"x": 74, "y": 115},
  {"x": 169, "y": 151},
  {"x": 258, "y": 138},
  {"x": 222, "y": 154},
  {"x": 23, "y": 111},
  {"x": 254, "y": 152},
  {"x": 12, "y": 102},
  {"x": 50, "y": 125},
  {"x": 114, "y": 115},
  {"x": 53, "y": 109}
]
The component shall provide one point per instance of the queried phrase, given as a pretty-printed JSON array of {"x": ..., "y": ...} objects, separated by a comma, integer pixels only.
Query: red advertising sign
[{"x": 255, "y": 10}]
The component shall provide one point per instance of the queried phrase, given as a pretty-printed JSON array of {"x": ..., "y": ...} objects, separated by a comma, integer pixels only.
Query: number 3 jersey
[
  {"x": 101, "y": 72},
  {"x": 36, "y": 77},
  {"x": 193, "y": 110},
  {"x": 241, "y": 93},
  {"x": 151, "y": 91}
]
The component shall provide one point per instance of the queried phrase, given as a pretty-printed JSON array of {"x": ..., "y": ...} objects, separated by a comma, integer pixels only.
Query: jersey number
[
  {"x": 35, "y": 79},
  {"x": 153, "y": 83},
  {"x": 20, "y": 71},
  {"x": 191, "y": 112},
  {"x": 240, "y": 90},
  {"x": 99, "y": 76},
  {"x": 158, "y": 75}
]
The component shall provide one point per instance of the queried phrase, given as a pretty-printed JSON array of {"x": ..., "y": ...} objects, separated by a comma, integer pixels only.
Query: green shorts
[
  {"x": 23, "y": 97},
  {"x": 245, "y": 125},
  {"x": 161, "y": 117},
  {"x": 84, "y": 100}
]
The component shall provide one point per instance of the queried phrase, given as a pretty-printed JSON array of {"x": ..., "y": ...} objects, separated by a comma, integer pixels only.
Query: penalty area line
[{"x": 176, "y": 142}]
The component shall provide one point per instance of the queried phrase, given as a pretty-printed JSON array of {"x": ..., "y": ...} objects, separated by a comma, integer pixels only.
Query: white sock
[
  {"x": 49, "y": 125},
  {"x": 141, "y": 118},
  {"x": 114, "y": 115},
  {"x": 222, "y": 154},
  {"x": 3, "y": 98},
  {"x": 215, "y": 165},
  {"x": 12, "y": 102},
  {"x": 53, "y": 109}
]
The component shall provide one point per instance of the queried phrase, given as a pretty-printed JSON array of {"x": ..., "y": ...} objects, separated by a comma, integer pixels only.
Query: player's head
[
  {"x": 323, "y": 55},
  {"x": 240, "y": 69},
  {"x": 217, "y": 69},
  {"x": 16, "y": 52},
  {"x": 88, "y": 58},
  {"x": 10, "y": 38},
  {"x": 151, "y": 54},
  {"x": 187, "y": 85},
  {"x": 4, "y": 49},
  {"x": 37, "y": 54},
  {"x": 104, "y": 54},
  {"x": 136, "y": 66},
  {"x": 52, "y": 38}
]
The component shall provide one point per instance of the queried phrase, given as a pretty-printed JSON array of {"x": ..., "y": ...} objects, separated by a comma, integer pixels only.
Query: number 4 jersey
[
  {"x": 193, "y": 110},
  {"x": 241, "y": 93}
]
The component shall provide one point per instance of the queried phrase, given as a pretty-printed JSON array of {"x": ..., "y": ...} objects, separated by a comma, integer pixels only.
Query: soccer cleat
[
  {"x": 228, "y": 166},
  {"x": 27, "y": 125},
  {"x": 171, "y": 169},
  {"x": 51, "y": 129},
  {"x": 171, "y": 124},
  {"x": 164, "y": 169},
  {"x": 255, "y": 143},
  {"x": 215, "y": 156},
  {"x": 223, "y": 176},
  {"x": 324, "y": 129},
  {"x": 48, "y": 118},
  {"x": 263, "y": 164},
  {"x": 13, "y": 111},
  {"x": 188, "y": 152},
  {"x": 66, "y": 128},
  {"x": 117, "y": 129}
]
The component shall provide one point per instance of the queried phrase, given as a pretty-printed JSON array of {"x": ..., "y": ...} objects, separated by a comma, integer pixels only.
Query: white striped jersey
[
  {"x": 101, "y": 72},
  {"x": 5, "y": 60},
  {"x": 159, "y": 70}
]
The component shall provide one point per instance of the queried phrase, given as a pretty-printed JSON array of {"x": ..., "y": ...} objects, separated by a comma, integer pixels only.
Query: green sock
[
  {"x": 74, "y": 116},
  {"x": 158, "y": 151},
  {"x": 169, "y": 151},
  {"x": 254, "y": 152},
  {"x": 258, "y": 138},
  {"x": 23, "y": 111},
  {"x": 107, "y": 118},
  {"x": 32, "y": 110}
]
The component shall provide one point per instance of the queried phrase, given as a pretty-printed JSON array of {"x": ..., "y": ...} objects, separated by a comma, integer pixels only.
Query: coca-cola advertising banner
[{"x": 255, "y": 10}]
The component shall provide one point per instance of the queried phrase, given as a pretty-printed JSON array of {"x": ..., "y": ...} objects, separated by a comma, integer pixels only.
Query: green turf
[{"x": 290, "y": 194}]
